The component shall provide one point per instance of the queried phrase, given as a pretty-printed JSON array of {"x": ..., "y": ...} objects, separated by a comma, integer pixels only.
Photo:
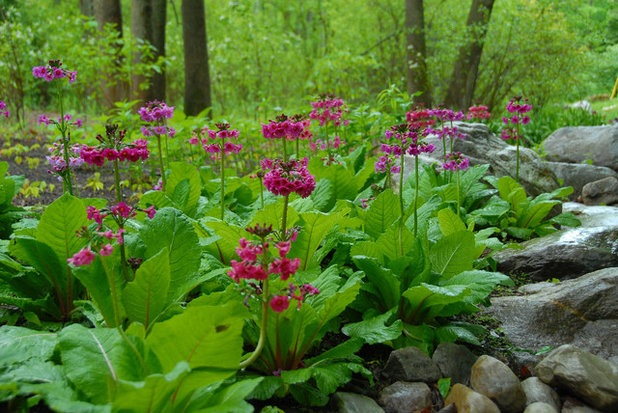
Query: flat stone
[
  {"x": 356, "y": 403},
  {"x": 577, "y": 175},
  {"x": 455, "y": 361},
  {"x": 578, "y": 144},
  {"x": 495, "y": 380},
  {"x": 571, "y": 252},
  {"x": 540, "y": 407},
  {"x": 581, "y": 311},
  {"x": 404, "y": 397},
  {"x": 537, "y": 391},
  {"x": 469, "y": 401},
  {"x": 591, "y": 378},
  {"x": 572, "y": 405},
  {"x": 601, "y": 192},
  {"x": 411, "y": 364}
]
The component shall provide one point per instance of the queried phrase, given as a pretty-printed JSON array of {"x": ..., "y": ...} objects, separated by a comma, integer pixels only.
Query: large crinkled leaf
[
  {"x": 95, "y": 277},
  {"x": 223, "y": 248},
  {"x": 450, "y": 222},
  {"x": 18, "y": 344},
  {"x": 324, "y": 196},
  {"x": 480, "y": 283},
  {"x": 512, "y": 192},
  {"x": 224, "y": 399},
  {"x": 184, "y": 186},
  {"x": 427, "y": 301},
  {"x": 341, "y": 177},
  {"x": 206, "y": 337},
  {"x": 384, "y": 210},
  {"x": 171, "y": 229},
  {"x": 315, "y": 227},
  {"x": 451, "y": 333},
  {"x": 453, "y": 254},
  {"x": 61, "y": 219},
  {"x": 383, "y": 279},
  {"x": 43, "y": 258},
  {"x": 536, "y": 213},
  {"x": 272, "y": 214},
  {"x": 146, "y": 296},
  {"x": 96, "y": 359},
  {"x": 374, "y": 330}
]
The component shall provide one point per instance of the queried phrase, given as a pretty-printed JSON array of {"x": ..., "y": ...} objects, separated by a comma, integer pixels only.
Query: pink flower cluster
[
  {"x": 156, "y": 111},
  {"x": 133, "y": 152},
  {"x": 254, "y": 263},
  {"x": 365, "y": 202},
  {"x": 329, "y": 109},
  {"x": 148, "y": 131},
  {"x": 517, "y": 109},
  {"x": 320, "y": 144},
  {"x": 56, "y": 158},
  {"x": 409, "y": 138},
  {"x": 120, "y": 212},
  {"x": 67, "y": 120},
  {"x": 284, "y": 127},
  {"x": 478, "y": 112},
  {"x": 287, "y": 177},
  {"x": 6, "y": 113},
  {"x": 280, "y": 303},
  {"x": 441, "y": 114},
  {"x": 102, "y": 243},
  {"x": 456, "y": 162},
  {"x": 218, "y": 137},
  {"x": 445, "y": 132},
  {"x": 53, "y": 71},
  {"x": 387, "y": 163}
]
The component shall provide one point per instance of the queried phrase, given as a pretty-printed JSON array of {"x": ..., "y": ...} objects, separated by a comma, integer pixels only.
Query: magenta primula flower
[
  {"x": 83, "y": 257},
  {"x": 4, "y": 112},
  {"x": 329, "y": 109},
  {"x": 478, "y": 112},
  {"x": 287, "y": 177},
  {"x": 456, "y": 162},
  {"x": 285, "y": 127},
  {"x": 113, "y": 148},
  {"x": 280, "y": 303},
  {"x": 216, "y": 140},
  {"x": 53, "y": 71},
  {"x": 156, "y": 113}
]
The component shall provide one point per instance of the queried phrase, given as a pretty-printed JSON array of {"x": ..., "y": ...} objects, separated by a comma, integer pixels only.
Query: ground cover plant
[{"x": 259, "y": 251}]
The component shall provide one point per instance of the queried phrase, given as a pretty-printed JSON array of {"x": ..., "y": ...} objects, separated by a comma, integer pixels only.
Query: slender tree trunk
[
  {"x": 108, "y": 12},
  {"x": 416, "y": 52},
  {"x": 197, "y": 77},
  {"x": 141, "y": 29},
  {"x": 465, "y": 73},
  {"x": 86, "y": 7},
  {"x": 159, "y": 18}
]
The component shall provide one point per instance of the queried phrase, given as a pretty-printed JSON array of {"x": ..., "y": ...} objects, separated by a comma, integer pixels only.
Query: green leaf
[
  {"x": 427, "y": 301},
  {"x": 208, "y": 338},
  {"x": 374, "y": 330},
  {"x": 450, "y": 222},
  {"x": 453, "y": 254},
  {"x": 225, "y": 247},
  {"x": 228, "y": 399},
  {"x": 272, "y": 214},
  {"x": 184, "y": 186},
  {"x": 383, "y": 279},
  {"x": 512, "y": 192},
  {"x": 61, "y": 219},
  {"x": 567, "y": 219},
  {"x": 146, "y": 296},
  {"x": 323, "y": 196},
  {"x": 172, "y": 230},
  {"x": 480, "y": 283},
  {"x": 536, "y": 213},
  {"x": 444, "y": 385},
  {"x": 450, "y": 333},
  {"x": 19, "y": 344},
  {"x": 96, "y": 360},
  {"x": 382, "y": 213},
  {"x": 315, "y": 227}
]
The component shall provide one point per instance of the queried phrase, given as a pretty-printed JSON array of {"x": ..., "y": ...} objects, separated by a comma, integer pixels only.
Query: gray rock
[
  {"x": 583, "y": 374},
  {"x": 575, "y": 406},
  {"x": 483, "y": 147},
  {"x": 455, "y": 361},
  {"x": 581, "y": 311},
  {"x": 578, "y": 144},
  {"x": 411, "y": 364},
  {"x": 356, "y": 403},
  {"x": 577, "y": 175},
  {"x": 537, "y": 391},
  {"x": 469, "y": 401},
  {"x": 494, "y": 379},
  {"x": 601, "y": 192},
  {"x": 404, "y": 397},
  {"x": 540, "y": 407},
  {"x": 571, "y": 252}
]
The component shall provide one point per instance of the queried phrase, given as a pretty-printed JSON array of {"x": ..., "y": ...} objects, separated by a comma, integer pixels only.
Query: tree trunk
[
  {"x": 86, "y": 7},
  {"x": 197, "y": 77},
  {"x": 141, "y": 29},
  {"x": 416, "y": 52},
  {"x": 465, "y": 73},
  {"x": 108, "y": 12},
  {"x": 159, "y": 18}
]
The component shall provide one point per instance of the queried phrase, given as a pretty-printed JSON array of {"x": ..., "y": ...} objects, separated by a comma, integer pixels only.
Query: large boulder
[
  {"x": 404, "y": 397},
  {"x": 494, "y": 379},
  {"x": 469, "y": 401},
  {"x": 577, "y": 175},
  {"x": 601, "y": 192},
  {"x": 411, "y": 364},
  {"x": 583, "y": 312},
  {"x": 578, "y": 372},
  {"x": 571, "y": 252},
  {"x": 578, "y": 144},
  {"x": 484, "y": 147}
]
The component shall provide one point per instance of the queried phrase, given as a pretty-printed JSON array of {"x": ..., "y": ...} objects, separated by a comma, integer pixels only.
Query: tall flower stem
[
  {"x": 517, "y": 162},
  {"x": 67, "y": 178},
  {"x": 458, "y": 195},
  {"x": 285, "y": 149},
  {"x": 284, "y": 217},
  {"x": 401, "y": 203},
  {"x": 123, "y": 254},
  {"x": 161, "y": 163},
  {"x": 262, "y": 339},
  {"x": 327, "y": 143},
  {"x": 415, "y": 195},
  {"x": 297, "y": 148},
  {"x": 261, "y": 192},
  {"x": 222, "y": 179}
]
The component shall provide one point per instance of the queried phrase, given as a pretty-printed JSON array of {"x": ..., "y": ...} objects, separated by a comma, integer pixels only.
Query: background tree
[
  {"x": 416, "y": 52},
  {"x": 159, "y": 17},
  {"x": 197, "y": 77},
  {"x": 141, "y": 29},
  {"x": 465, "y": 72},
  {"x": 109, "y": 17}
]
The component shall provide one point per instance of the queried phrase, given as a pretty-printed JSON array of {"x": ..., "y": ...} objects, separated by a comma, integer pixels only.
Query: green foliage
[{"x": 9, "y": 187}]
